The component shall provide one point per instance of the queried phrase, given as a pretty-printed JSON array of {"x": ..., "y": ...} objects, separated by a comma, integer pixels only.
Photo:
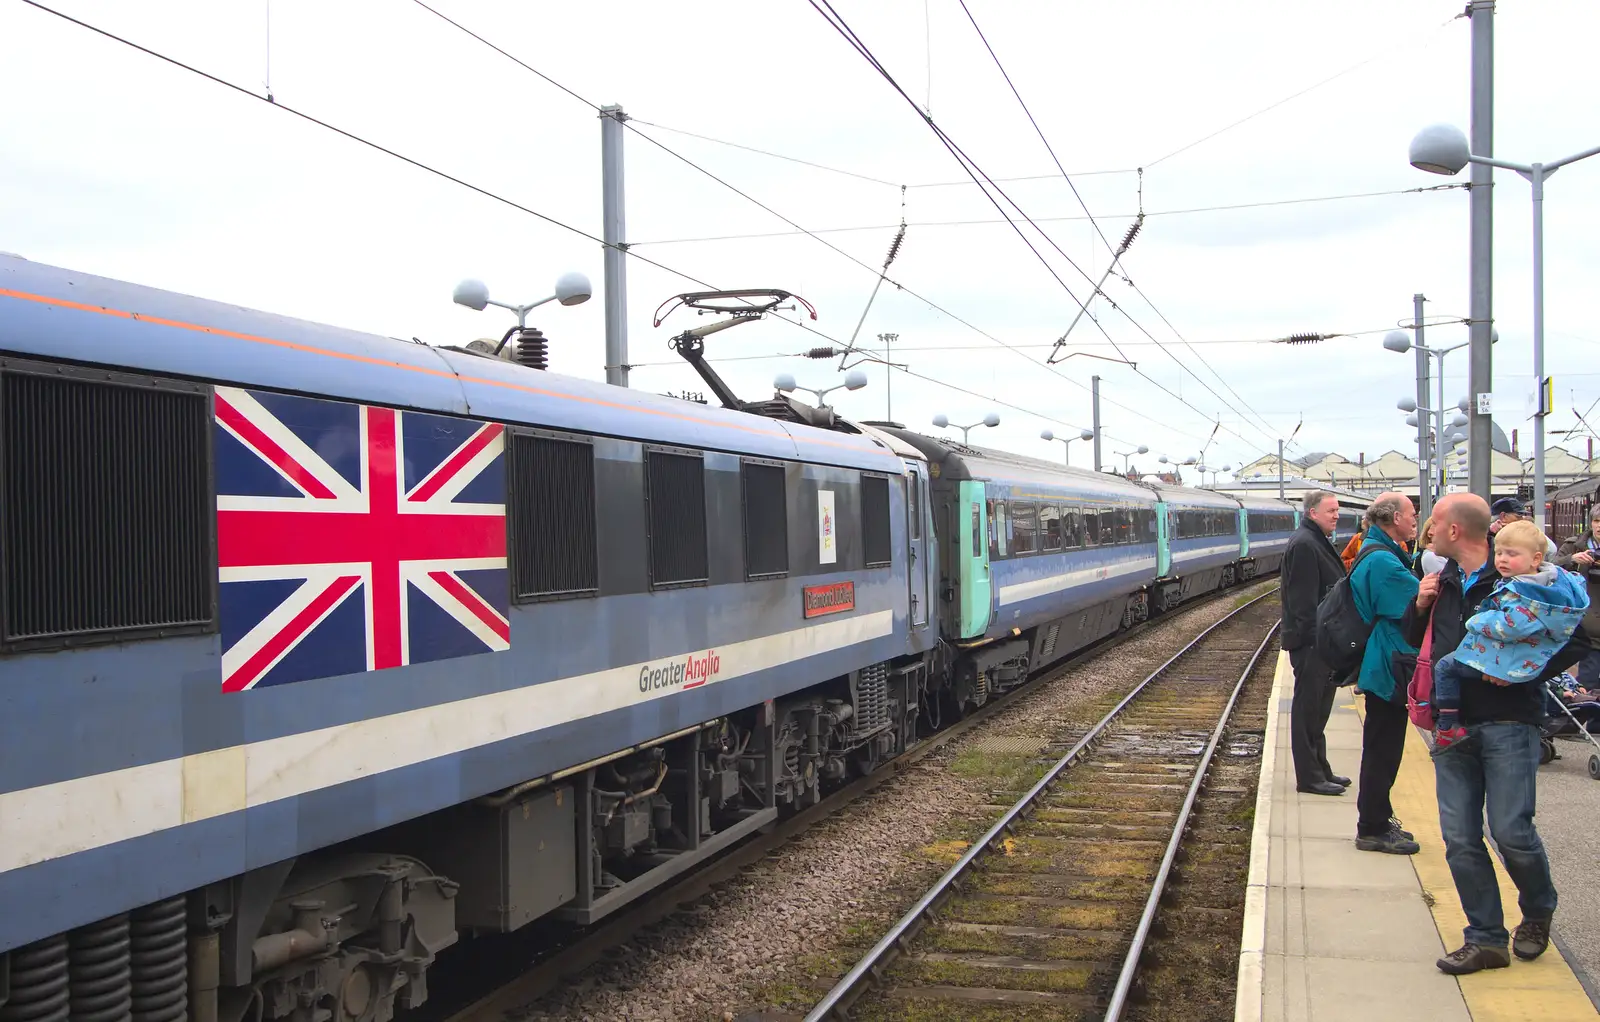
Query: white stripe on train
[{"x": 58, "y": 819}]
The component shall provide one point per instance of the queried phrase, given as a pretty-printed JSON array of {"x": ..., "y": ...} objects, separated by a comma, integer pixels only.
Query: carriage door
[
  {"x": 917, "y": 543},
  {"x": 972, "y": 544},
  {"x": 1163, "y": 541}
]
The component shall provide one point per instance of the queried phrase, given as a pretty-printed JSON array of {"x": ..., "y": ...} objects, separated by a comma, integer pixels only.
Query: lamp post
[
  {"x": 571, "y": 289},
  {"x": 1177, "y": 466},
  {"x": 1399, "y": 341},
  {"x": 1443, "y": 149},
  {"x": 1066, "y": 441},
  {"x": 1430, "y": 446},
  {"x": 854, "y": 380},
  {"x": 991, "y": 420},
  {"x": 1126, "y": 455}
]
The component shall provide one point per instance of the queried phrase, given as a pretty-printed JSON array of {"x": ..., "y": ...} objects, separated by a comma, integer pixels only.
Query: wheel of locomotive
[
  {"x": 1547, "y": 751},
  {"x": 1594, "y": 766},
  {"x": 866, "y": 759}
]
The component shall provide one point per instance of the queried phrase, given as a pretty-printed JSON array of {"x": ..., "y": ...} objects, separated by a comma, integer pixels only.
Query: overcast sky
[{"x": 115, "y": 163}]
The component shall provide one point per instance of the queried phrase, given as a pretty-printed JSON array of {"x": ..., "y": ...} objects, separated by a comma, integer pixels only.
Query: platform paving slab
[{"x": 1332, "y": 933}]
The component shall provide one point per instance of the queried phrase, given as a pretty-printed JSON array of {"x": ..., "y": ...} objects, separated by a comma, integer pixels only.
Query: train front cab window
[{"x": 973, "y": 553}]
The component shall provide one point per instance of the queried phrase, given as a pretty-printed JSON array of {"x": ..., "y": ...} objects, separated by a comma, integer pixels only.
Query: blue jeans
[{"x": 1497, "y": 763}]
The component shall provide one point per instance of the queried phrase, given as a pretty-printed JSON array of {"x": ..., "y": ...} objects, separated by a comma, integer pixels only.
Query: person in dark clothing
[
  {"x": 1383, "y": 589},
  {"x": 1310, "y": 568},
  {"x": 1581, "y": 556},
  {"x": 1498, "y": 762}
]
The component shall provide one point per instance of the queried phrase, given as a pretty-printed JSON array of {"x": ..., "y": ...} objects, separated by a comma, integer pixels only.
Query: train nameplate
[{"x": 835, "y": 598}]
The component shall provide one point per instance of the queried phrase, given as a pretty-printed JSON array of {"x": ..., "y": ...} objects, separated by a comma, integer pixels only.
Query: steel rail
[
  {"x": 1130, "y": 964},
  {"x": 547, "y": 973},
  {"x": 838, "y": 1000}
]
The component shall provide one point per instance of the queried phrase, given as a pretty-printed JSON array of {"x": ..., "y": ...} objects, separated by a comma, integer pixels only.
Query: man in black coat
[{"x": 1311, "y": 566}]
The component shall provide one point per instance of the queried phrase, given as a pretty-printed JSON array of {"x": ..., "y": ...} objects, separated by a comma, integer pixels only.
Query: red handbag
[{"x": 1419, "y": 691}]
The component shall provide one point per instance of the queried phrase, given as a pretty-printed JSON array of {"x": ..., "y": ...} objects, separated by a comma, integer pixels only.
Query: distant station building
[{"x": 1509, "y": 474}]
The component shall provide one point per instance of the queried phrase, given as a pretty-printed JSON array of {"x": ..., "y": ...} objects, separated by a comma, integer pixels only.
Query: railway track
[
  {"x": 1049, "y": 913},
  {"x": 520, "y": 973}
]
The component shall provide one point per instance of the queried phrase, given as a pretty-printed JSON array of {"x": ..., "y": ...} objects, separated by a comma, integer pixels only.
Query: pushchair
[{"x": 1570, "y": 721}]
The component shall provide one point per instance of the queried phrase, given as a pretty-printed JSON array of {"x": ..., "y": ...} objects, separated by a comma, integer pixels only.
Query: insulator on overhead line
[
  {"x": 826, "y": 351},
  {"x": 1304, "y": 338},
  {"x": 1133, "y": 232},
  {"x": 894, "y": 246}
]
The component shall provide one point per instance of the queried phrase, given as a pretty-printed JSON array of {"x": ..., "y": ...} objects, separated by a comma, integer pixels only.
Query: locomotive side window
[
  {"x": 766, "y": 521},
  {"x": 875, "y": 521},
  {"x": 675, "y": 495},
  {"x": 109, "y": 522},
  {"x": 551, "y": 518}
]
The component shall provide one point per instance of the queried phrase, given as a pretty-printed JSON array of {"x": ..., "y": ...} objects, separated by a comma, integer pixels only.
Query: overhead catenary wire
[
  {"x": 1060, "y": 219},
  {"x": 877, "y": 272},
  {"x": 1118, "y": 251},
  {"x": 418, "y": 164},
  {"x": 1407, "y": 44},
  {"x": 838, "y": 23},
  {"x": 352, "y": 136}
]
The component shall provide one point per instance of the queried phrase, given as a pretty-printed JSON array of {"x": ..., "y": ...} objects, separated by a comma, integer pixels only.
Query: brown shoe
[
  {"x": 1532, "y": 936},
  {"x": 1473, "y": 958}
]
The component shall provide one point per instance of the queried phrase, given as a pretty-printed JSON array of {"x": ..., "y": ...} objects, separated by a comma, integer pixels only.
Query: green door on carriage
[{"x": 971, "y": 541}]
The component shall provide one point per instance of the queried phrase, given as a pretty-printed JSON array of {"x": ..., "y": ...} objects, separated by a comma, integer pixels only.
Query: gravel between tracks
[{"x": 860, "y": 868}]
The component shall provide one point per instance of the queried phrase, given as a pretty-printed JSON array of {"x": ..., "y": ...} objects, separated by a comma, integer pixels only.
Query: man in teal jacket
[{"x": 1384, "y": 587}]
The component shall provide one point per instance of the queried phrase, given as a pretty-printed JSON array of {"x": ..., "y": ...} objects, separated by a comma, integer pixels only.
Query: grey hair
[
  {"x": 1316, "y": 497},
  {"x": 1384, "y": 511}
]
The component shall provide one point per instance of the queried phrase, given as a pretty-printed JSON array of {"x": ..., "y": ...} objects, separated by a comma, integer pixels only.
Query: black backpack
[{"x": 1342, "y": 632}]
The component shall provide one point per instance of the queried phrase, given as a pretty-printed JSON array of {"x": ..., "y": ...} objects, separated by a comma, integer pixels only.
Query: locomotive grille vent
[
  {"x": 875, "y": 521},
  {"x": 872, "y": 698},
  {"x": 108, "y": 519},
  {"x": 676, "y": 491},
  {"x": 552, "y": 520},
  {"x": 766, "y": 521}
]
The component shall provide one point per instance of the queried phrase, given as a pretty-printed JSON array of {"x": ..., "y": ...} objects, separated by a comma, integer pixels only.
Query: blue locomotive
[{"x": 321, "y": 650}]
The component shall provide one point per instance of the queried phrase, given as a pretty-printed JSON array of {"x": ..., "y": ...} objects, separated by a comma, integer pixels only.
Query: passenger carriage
[{"x": 1266, "y": 528}]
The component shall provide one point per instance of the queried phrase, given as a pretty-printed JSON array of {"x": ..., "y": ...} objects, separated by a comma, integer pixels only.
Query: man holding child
[{"x": 1501, "y": 625}]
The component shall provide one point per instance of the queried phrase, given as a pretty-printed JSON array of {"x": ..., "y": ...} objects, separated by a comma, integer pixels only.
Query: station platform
[{"x": 1332, "y": 933}]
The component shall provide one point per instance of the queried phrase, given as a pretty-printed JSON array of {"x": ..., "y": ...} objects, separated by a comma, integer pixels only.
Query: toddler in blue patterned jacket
[{"x": 1517, "y": 629}]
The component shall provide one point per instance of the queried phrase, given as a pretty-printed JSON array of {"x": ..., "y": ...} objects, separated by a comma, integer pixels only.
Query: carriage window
[
  {"x": 1050, "y": 526},
  {"x": 1024, "y": 527},
  {"x": 1071, "y": 528},
  {"x": 997, "y": 528},
  {"x": 1124, "y": 526},
  {"x": 977, "y": 530},
  {"x": 1091, "y": 528}
]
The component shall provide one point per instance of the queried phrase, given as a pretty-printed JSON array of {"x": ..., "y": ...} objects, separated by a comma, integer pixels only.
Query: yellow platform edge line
[
  {"x": 1545, "y": 989},
  {"x": 1250, "y": 989}
]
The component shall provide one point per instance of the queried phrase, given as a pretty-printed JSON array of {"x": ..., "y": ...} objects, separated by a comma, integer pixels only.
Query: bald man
[{"x": 1498, "y": 761}]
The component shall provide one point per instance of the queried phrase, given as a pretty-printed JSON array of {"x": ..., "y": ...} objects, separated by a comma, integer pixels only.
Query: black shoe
[
  {"x": 1389, "y": 841},
  {"x": 1532, "y": 936},
  {"x": 1341, "y": 781},
  {"x": 1472, "y": 958},
  {"x": 1321, "y": 788}
]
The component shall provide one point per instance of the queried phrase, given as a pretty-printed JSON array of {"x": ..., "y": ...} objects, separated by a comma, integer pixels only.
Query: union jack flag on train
[{"x": 353, "y": 538}]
